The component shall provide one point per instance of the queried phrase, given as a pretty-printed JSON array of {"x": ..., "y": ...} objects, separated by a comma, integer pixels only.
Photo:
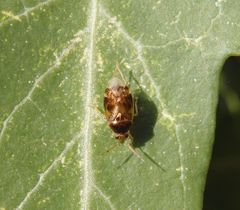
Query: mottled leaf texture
[{"x": 56, "y": 58}]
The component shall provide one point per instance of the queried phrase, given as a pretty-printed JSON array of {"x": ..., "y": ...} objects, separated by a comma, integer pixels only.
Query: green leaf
[{"x": 55, "y": 62}]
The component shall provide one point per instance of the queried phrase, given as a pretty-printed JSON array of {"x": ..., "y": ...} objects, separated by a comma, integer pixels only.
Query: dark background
[{"x": 223, "y": 181}]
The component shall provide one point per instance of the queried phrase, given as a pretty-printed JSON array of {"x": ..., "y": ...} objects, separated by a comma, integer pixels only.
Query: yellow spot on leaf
[{"x": 9, "y": 14}]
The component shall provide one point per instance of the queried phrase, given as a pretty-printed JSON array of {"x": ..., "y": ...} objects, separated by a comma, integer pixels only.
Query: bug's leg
[
  {"x": 152, "y": 160},
  {"x": 135, "y": 107},
  {"x": 98, "y": 111},
  {"x": 111, "y": 148},
  {"x": 130, "y": 136},
  {"x": 132, "y": 149}
]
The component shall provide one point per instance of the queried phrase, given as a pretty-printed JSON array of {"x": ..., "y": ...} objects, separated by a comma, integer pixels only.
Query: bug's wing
[
  {"x": 108, "y": 104},
  {"x": 129, "y": 106}
]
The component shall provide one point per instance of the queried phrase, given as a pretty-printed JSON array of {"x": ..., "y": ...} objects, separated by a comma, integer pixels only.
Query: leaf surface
[{"x": 56, "y": 60}]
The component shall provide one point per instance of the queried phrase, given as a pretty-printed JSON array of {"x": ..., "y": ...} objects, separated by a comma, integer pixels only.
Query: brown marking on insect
[{"x": 119, "y": 106}]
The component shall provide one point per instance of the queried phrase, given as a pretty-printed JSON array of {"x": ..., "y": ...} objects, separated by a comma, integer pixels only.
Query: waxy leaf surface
[{"x": 56, "y": 58}]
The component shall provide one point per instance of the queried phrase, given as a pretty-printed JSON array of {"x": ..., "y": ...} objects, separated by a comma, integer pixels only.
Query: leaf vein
[
  {"x": 27, "y": 10},
  {"x": 138, "y": 46},
  {"x": 182, "y": 170},
  {"x": 105, "y": 198},
  {"x": 39, "y": 79},
  {"x": 85, "y": 151},
  {"x": 42, "y": 176}
]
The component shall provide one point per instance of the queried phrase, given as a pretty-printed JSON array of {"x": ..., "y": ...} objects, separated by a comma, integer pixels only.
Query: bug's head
[{"x": 121, "y": 137}]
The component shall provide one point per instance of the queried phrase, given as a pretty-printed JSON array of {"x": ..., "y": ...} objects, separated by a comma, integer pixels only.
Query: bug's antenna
[
  {"x": 136, "y": 81},
  {"x": 118, "y": 70}
]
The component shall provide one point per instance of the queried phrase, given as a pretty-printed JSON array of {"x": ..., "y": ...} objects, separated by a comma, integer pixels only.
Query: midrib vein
[{"x": 86, "y": 144}]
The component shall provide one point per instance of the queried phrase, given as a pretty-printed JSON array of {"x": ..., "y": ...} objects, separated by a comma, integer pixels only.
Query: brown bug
[{"x": 120, "y": 108}]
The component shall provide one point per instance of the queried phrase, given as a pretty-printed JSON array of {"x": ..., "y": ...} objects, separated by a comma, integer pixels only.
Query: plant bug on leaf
[{"x": 120, "y": 108}]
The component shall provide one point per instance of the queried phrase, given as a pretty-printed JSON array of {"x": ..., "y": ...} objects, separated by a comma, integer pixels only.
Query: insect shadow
[{"x": 142, "y": 129}]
